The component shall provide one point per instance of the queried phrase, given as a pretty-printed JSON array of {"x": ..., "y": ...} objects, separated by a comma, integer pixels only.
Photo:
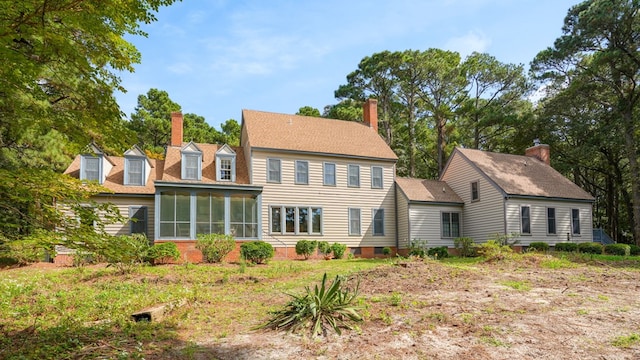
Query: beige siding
[
  {"x": 482, "y": 218},
  {"x": 403, "y": 219},
  {"x": 123, "y": 204},
  {"x": 539, "y": 221},
  {"x": 425, "y": 220},
  {"x": 335, "y": 201}
]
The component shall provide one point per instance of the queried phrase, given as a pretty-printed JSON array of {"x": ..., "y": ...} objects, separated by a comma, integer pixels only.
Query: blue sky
[{"x": 217, "y": 57}]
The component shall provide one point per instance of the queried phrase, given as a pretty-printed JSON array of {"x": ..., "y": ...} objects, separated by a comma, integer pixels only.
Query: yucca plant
[{"x": 325, "y": 306}]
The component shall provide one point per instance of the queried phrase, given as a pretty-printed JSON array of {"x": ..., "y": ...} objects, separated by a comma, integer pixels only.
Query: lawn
[{"x": 531, "y": 306}]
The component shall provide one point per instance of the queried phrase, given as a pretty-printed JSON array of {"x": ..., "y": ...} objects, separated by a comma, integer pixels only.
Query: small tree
[
  {"x": 306, "y": 248},
  {"x": 465, "y": 246},
  {"x": 418, "y": 247},
  {"x": 215, "y": 247}
]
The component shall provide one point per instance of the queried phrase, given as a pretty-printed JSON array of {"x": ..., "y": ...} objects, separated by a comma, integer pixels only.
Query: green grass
[
  {"x": 627, "y": 341},
  {"x": 85, "y": 312},
  {"x": 516, "y": 285}
]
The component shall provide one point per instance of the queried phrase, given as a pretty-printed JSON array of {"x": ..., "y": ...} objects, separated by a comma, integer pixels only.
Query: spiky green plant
[{"x": 325, "y": 306}]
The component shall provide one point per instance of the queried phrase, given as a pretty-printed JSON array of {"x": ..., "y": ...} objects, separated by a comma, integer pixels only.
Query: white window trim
[
  {"x": 296, "y": 225},
  {"x": 198, "y": 156},
  {"x": 381, "y": 177},
  {"x": 373, "y": 222},
  {"x": 269, "y": 180},
  {"x": 324, "y": 174},
  {"x": 530, "y": 222},
  {"x": 219, "y": 159},
  {"x": 359, "y": 233},
  {"x": 477, "y": 182},
  {"x": 83, "y": 167},
  {"x": 573, "y": 233},
  {"x": 297, "y": 182},
  {"x": 127, "y": 178},
  {"x": 349, "y": 184},
  {"x": 555, "y": 219}
]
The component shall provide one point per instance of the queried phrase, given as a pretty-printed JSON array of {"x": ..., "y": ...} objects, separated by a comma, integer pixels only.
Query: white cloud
[{"x": 466, "y": 44}]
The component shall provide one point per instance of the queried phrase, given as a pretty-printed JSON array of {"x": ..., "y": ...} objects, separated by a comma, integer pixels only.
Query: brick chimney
[
  {"x": 370, "y": 113},
  {"x": 176, "y": 128},
  {"x": 539, "y": 151}
]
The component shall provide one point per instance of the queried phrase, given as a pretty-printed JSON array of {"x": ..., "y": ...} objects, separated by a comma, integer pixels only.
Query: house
[{"x": 297, "y": 177}]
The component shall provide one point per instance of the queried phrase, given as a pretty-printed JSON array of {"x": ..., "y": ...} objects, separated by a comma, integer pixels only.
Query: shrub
[
  {"x": 215, "y": 247},
  {"x": 590, "y": 248},
  {"x": 325, "y": 249},
  {"x": 439, "y": 252},
  {"x": 465, "y": 246},
  {"x": 125, "y": 251},
  {"x": 634, "y": 250},
  {"x": 617, "y": 249},
  {"x": 162, "y": 253},
  {"x": 492, "y": 250},
  {"x": 256, "y": 252},
  {"x": 25, "y": 252},
  {"x": 338, "y": 250},
  {"x": 506, "y": 239},
  {"x": 326, "y": 306},
  {"x": 566, "y": 246},
  {"x": 418, "y": 248},
  {"x": 539, "y": 246},
  {"x": 306, "y": 248},
  {"x": 386, "y": 251}
]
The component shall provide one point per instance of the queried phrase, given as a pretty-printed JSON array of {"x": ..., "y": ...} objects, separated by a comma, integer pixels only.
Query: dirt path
[{"x": 512, "y": 310}]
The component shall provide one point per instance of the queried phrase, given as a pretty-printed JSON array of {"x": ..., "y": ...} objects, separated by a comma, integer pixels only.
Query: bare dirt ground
[{"x": 506, "y": 310}]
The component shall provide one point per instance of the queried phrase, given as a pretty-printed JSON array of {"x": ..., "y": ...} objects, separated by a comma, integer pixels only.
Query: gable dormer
[
  {"x": 226, "y": 164},
  {"x": 137, "y": 167},
  {"x": 94, "y": 164},
  {"x": 191, "y": 162}
]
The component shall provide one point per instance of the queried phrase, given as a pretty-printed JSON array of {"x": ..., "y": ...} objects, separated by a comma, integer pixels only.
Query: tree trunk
[
  {"x": 632, "y": 156},
  {"x": 441, "y": 122}
]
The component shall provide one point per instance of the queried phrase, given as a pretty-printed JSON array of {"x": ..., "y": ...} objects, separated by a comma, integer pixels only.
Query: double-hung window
[
  {"x": 355, "y": 221},
  {"x": 329, "y": 174},
  {"x": 575, "y": 221},
  {"x": 551, "y": 220},
  {"x": 525, "y": 219},
  {"x": 450, "y": 224},
  {"x": 378, "y": 222},
  {"x": 91, "y": 169},
  {"x": 273, "y": 170},
  {"x": 475, "y": 191},
  {"x": 138, "y": 216},
  {"x": 302, "y": 172},
  {"x": 376, "y": 177},
  {"x": 295, "y": 220},
  {"x": 134, "y": 171},
  {"x": 354, "y": 175},
  {"x": 225, "y": 169}
]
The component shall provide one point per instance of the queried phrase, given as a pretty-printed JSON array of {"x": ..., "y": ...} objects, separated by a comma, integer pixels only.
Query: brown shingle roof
[
  {"x": 310, "y": 134},
  {"x": 173, "y": 170},
  {"x": 427, "y": 190},
  {"x": 524, "y": 176},
  {"x": 167, "y": 170}
]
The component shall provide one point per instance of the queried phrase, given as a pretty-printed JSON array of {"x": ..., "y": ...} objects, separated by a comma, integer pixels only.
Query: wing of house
[{"x": 514, "y": 194}]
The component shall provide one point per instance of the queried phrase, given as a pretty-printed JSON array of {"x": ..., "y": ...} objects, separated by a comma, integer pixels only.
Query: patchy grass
[
  {"x": 516, "y": 285},
  {"x": 627, "y": 341}
]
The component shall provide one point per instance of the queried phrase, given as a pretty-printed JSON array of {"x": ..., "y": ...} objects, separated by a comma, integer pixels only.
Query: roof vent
[{"x": 536, "y": 142}]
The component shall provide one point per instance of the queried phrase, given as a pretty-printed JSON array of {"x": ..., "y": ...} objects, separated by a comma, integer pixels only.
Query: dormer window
[
  {"x": 90, "y": 168},
  {"x": 191, "y": 162},
  {"x": 136, "y": 167},
  {"x": 226, "y": 164}
]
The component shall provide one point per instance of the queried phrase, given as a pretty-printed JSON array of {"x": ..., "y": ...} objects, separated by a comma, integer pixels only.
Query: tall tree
[
  {"x": 308, "y": 111},
  {"x": 601, "y": 44}
]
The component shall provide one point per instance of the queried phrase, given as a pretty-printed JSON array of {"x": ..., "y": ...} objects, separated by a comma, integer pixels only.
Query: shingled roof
[
  {"x": 268, "y": 130},
  {"x": 173, "y": 170},
  {"x": 115, "y": 179},
  {"x": 427, "y": 191},
  {"x": 519, "y": 175}
]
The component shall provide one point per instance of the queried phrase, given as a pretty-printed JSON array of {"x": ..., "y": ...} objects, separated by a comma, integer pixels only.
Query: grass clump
[
  {"x": 318, "y": 309},
  {"x": 626, "y": 341},
  {"x": 492, "y": 250}
]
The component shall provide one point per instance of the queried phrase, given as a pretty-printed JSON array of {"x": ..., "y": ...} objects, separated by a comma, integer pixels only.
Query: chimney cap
[{"x": 536, "y": 142}]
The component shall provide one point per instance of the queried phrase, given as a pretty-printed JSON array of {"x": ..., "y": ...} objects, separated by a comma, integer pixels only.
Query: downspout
[
  {"x": 504, "y": 213},
  {"x": 395, "y": 202}
]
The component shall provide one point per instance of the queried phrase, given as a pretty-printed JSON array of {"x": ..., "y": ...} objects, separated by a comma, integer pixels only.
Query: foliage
[
  {"x": 386, "y": 251},
  {"x": 634, "y": 250},
  {"x": 325, "y": 248},
  {"x": 626, "y": 341},
  {"x": 326, "y": 306},
  {"x": 306, "y": 248},
  {"x": 566, "y": 246},
  {"x": 418, "y": 247},
  {"x": 256, "y": 252},
  {"x": 439, "y": 252},
  {"x": 162, "y": 253},
  {"x": 590, "y": 248},
  {"x": 539, "y": 246},
  {"x": 125, "y": 251},
  {"x": 308, "y": 111},
  {"x": 465, "y": 246},
  {"x": 506, "y": 239},
  {"x": 493, "y": 250},
  {"x": 215, "y": 247},
  {"x": 338, "y": 250},
  {"x": 617, "y": 249},
  {"x": 25, "y": 252}
]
